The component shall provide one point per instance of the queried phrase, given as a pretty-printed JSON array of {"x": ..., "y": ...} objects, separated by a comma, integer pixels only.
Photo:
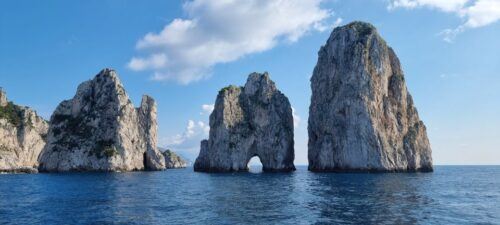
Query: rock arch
[
  {"x": 252, "y": 120},
  {"x": 253, "y": 158}
]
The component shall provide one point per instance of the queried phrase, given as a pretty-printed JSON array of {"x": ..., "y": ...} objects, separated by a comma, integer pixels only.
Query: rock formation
[
  {"x": 173, "y": 161},
  {"x": 361, "y": 115},
  {"x": 255, "y": 120},
  {"x": 3, "y": 98},
  {"x": 22, "y": 134},
  {"x": 100, "y": 130}
]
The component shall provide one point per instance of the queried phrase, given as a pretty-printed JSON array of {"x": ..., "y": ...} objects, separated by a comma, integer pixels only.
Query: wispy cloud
[
  {"x": 296, "y": 118},
  {"x": 223, "y": 31},
  {"x": 337, "y": 22},
  {"x": 475, "y": 13},
  {"x": 189, "y": 140},
  {"x": 206, "y": 109},
  {"x": 443, "y": 5}
]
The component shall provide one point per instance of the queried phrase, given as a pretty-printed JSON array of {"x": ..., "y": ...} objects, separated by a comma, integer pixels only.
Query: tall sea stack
[
  {"x": 100, "y": 130},
  {"x": 22, "y": 137},
  {"x": 254, "y": 120},
  {"x": 361, "y": 116}
]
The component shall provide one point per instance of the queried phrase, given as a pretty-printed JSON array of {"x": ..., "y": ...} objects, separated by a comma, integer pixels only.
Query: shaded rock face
[
  {"x": 22, "y": 137},
  {"x": 100, "y": 130},
  {"x": 361, "y": 115},
  {"x": 173, "y": 161},
  {"x": 254, "y": 120}
]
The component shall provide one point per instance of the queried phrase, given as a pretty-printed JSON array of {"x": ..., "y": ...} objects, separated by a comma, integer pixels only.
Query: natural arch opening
[
  {"x": 144, "y": 161},
  {"x": 254, "y": 165}
]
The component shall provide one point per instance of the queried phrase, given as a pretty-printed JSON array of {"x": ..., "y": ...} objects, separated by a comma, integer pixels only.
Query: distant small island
[{"x": 172, "y": 160}]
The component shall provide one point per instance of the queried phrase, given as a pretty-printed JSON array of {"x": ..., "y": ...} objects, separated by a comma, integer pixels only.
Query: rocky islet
[
  {"x": 99, "y": 129},
  {"x": 362, "y": 117},
  {"x": 249, "y": 121}
]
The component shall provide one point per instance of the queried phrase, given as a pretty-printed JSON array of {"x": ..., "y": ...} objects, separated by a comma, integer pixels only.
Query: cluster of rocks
[
  {"x": 361, "y": 118},
  {"x": 97, "y": 130}
]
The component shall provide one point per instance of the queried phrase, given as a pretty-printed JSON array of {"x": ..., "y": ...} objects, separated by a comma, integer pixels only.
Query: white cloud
[
  {"x": 444, "y": 5},
  {"x": 189, "y": 140},
  {"x": 296, "y": 118},
  {"x": 154, "y": 61},
  {"x": 475, "y": 13},
  {"x": 449, "y": 35},
  {"x": 223, "y": 31},
  {"x": 337, "y": 22},
  {"x": 482, "y": 13},
  {"x": 207, "y": 109}
]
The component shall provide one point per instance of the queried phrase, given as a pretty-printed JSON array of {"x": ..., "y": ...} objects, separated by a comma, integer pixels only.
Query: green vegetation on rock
[
  {"x": 12, "y": 113},
  {"x": 104, "y": 148},
  {"x": 224, "y": 89},
  {"x": 74, "y": 125},
  {"x": 362, "y": 28}
]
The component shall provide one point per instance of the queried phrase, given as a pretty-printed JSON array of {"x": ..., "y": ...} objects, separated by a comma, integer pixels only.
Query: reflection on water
[
  {"x": 457, "y": 195},
  {"x": 374, "y": 198}
]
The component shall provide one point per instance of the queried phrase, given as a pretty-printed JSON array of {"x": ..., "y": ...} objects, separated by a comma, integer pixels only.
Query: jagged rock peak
[
  {"x": 22, "y": 137},
  {"x": 254, "y": 120},
  {"x": 100, "y": 130},
  {"x": 363, "y": 28},
  {"x": 3, "y": 98},
  {"x": 361, "y": 115},
  {"x": 259, "y": 84}
]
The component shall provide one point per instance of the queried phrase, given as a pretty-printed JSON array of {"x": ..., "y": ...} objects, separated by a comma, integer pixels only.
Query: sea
[{"x": 449, "y": 195}]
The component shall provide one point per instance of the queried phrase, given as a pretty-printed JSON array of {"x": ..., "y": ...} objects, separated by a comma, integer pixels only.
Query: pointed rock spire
[{"x": 3, "y": 98}]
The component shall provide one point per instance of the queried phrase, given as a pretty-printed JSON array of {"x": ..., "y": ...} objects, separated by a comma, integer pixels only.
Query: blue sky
[{"x": 183, "y": 52}]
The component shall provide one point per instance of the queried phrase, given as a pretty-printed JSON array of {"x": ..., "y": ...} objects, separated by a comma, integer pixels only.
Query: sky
[{"x": 183, "y": 52}]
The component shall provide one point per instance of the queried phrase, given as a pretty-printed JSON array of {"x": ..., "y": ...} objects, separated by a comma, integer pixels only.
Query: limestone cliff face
[
  {"x": 173, "y": 161},
  {"x": 22, "y": 134},
  {"x": 361, "y": 115},
  {"x": 100, "y": 130},
  {"x": 254, "y": 120}
]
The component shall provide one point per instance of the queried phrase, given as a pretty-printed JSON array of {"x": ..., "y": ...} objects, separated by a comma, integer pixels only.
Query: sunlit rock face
[
  {"x": 100, "y": 130},
  {"x": 361, "y": 115},
  {"x": 22, "y": 137},
  {"x": 254, "y": 120}
]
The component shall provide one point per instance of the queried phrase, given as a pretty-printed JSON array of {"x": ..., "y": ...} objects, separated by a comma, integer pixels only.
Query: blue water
[{"x": 450, "y": 195}]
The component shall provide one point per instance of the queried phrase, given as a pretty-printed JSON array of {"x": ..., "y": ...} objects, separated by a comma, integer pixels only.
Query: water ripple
[{"x": 450, "y": 195}]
